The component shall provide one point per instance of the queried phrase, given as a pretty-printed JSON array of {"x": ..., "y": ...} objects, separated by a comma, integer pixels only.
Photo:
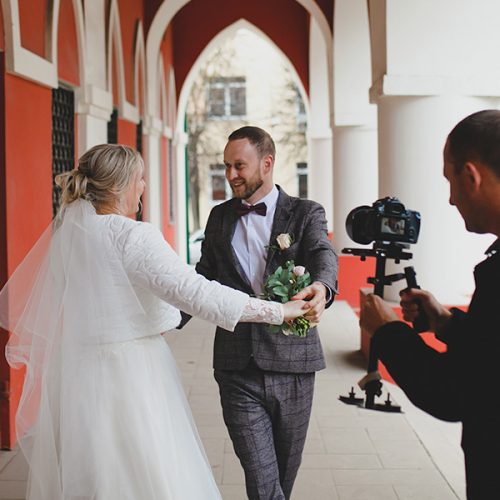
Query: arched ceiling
[{"x": 286, "y": 22}]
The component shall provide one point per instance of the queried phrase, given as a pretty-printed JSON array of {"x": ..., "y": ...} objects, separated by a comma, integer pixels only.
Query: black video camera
[{"x": 386, "y": 220}]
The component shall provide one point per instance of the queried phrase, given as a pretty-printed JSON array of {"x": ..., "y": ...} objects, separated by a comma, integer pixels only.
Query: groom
[{"x": 266, "y": 380}]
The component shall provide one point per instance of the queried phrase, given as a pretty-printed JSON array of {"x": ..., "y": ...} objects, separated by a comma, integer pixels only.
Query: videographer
[{"x": 460, "y": 384}]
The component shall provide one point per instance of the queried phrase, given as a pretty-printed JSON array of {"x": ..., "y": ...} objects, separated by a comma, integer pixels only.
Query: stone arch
[
  {"x": 114, "y": 44},
  {"x": 21, "y": 61},
  {"x": 217, "y": 40},
  {"x": 167, "y": 11},
  {"x": 80, "y": 37},
  {"x": 140, "y": 101}
]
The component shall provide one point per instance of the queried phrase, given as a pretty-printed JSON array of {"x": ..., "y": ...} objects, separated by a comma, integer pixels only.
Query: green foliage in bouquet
[{"x": 281, "y": 286}]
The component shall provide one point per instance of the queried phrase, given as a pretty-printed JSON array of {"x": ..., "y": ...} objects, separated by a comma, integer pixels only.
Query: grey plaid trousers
[{"x": 267, "y": 416}]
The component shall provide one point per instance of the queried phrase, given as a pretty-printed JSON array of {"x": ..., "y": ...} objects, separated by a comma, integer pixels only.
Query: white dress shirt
[{"x": 251, "y": 238}]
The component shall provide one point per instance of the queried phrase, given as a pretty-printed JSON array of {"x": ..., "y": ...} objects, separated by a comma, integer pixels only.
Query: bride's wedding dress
[{"x": 103, "y": 415}]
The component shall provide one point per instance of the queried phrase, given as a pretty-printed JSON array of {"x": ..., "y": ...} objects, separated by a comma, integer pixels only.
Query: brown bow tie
[{"x": 259, "y": 209}]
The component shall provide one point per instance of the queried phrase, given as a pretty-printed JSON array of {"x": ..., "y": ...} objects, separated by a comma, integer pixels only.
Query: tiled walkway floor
[{"x": 351, "y": 454}]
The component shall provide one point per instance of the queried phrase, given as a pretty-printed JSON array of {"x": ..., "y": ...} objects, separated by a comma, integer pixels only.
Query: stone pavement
[{"x": 350, "y": 454}]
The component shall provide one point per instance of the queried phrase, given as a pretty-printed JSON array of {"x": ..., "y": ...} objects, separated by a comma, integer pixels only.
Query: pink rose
[{"x": 299, "y": 270}]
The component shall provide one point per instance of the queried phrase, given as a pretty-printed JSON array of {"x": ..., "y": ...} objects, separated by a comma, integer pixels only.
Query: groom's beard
[{"x": 247, "y": 189}]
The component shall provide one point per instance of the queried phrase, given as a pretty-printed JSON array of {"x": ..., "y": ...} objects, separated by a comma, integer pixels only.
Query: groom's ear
[{"x": 268, "y": 163}]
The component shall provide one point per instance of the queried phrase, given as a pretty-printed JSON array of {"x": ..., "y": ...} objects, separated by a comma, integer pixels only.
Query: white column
[
  {"x": 412, "y": 133},
  {"x": 319, "y": 130},
  {"x": 93, "y": 107},
  {"x": 152, "y": 130},
  {"x": 93, "y": 104},
  {"x": 95, "y": 42},
  {"x": 355, "y": 132},
  {"x": 180, "y": 141},
  {"x": 320, "y": 172},
  {"x": 355, "y": 177},
  {"x": 427, "y": 76}
]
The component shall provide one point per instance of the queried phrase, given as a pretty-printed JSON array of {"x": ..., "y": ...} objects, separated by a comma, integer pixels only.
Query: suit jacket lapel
[
  {"x": 281, "y": 223},
  {"x": 228, "y": 228}
]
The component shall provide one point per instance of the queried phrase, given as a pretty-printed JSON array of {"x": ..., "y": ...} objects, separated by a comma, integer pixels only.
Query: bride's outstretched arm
[
  {"x": 151, "y": 263},
  {"x": 274, "y": 313}
]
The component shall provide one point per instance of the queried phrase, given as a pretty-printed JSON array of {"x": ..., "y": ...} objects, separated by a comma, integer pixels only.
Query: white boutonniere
[{"x": 283, "y": 240}]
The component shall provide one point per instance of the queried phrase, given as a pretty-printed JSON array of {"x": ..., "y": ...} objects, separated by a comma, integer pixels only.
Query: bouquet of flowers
[{"x": 281, "y": 286}]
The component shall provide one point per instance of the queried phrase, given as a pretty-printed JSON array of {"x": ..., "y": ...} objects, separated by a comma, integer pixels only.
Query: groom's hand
[{"x": 315, "y": 293}]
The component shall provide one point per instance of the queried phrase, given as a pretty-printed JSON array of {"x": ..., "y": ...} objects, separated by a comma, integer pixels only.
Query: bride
[{"x": 103, "y": 415}]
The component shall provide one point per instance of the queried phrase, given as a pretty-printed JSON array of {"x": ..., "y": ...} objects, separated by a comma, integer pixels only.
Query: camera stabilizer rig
[{"x": 365, "y": 224}]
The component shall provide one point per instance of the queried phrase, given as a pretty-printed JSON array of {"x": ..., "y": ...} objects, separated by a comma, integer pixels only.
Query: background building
[{"x": 244, "y": 81}]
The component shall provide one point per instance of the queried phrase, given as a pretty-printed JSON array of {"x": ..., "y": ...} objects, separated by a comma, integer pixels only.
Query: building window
[
  {"x": 63, "y": 142},
  {"x": 300, "y": 111},
  {"x": 138, "y": 137},
  {"x": 302, "y": 179},
  {"x": 227, "y": 97},
  {"x": 218, "y": 184},
  {"x": 113, "y": 127}
]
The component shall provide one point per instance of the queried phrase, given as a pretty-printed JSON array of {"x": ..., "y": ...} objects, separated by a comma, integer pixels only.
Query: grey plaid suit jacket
[{"x": 305, "y": 221}]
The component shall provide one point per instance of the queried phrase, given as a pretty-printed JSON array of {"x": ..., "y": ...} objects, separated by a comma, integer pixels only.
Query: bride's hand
[{"x": 294, "y": 309}]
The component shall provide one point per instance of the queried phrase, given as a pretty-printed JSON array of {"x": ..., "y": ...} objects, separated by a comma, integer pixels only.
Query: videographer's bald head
[{"x": 472, "y": 166}]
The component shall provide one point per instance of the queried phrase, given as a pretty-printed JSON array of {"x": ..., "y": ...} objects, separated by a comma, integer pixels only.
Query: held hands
[
  {"x": 315, "y": 293},
  {"x": 414, "y": 300},
  {"x": 295, "y": 308}
]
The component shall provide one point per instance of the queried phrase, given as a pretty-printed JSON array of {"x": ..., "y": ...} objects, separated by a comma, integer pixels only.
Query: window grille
[
  {"x": 138, "y": 137},
  {"x": 218, "y": 184},
  {"x": 63, "y": 138},
  {"x": 227, "y": 97},
  {"x": 113, "y": 127},
  {"x": 302, "y": 179}
]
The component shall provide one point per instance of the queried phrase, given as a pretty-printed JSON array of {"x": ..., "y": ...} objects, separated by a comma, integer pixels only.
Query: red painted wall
[
  {"x": 150, "y": 9},
  {"x": 130, "y": 14},
  {"x": 284, "y": 21},
  {"x": 28, "y": 193},
  {"x": 32, "y": 20},
  {"x": 353, "y": 274},
  {"x": 127, "y": 133},
  {"x": 67, "y": 45},
  {"x": 327, "y": 7}
]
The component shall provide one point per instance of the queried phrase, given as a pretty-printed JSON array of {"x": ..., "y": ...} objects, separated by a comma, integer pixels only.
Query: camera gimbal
[{"x": 382, "y": 251}]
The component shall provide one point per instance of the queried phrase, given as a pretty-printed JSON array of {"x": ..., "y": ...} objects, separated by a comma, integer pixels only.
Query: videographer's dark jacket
[{"x": 463, "y": 383}]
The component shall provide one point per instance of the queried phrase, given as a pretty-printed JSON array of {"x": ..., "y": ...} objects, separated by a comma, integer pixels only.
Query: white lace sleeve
[
  {"x": 151, "y": 264},
  {"x": 262, "y": 311}
]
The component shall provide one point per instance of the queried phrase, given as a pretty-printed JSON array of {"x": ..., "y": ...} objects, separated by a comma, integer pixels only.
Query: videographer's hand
[
  {"x": 413, "y": 301},
  {"x": 375, "y": 313}
]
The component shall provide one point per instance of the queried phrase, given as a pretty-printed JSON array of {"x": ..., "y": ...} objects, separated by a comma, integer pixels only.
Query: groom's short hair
[{"x": 258, "y": 138}]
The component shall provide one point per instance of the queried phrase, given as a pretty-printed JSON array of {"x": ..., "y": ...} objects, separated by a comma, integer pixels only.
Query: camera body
[{"x": 387, "y": 220}]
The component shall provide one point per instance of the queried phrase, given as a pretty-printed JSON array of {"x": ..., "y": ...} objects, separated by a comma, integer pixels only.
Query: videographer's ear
[{"x": 472, "y": 175}]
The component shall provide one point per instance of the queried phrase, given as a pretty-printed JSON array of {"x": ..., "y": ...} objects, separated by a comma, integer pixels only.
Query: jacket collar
[{"x": 281, "y": 223}]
